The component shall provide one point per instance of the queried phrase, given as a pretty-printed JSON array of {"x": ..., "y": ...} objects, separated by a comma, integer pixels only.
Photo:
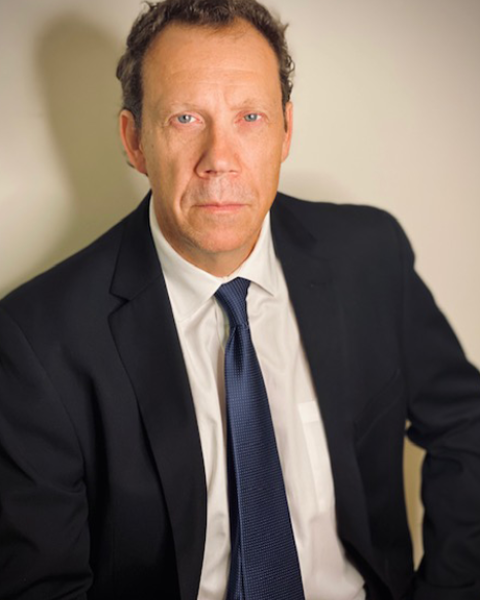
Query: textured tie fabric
[{"x": 264, "y": 560}]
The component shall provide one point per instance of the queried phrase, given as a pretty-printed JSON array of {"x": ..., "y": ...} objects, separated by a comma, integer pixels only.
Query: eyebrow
[
  {"x": 253, "y": 102},
  {"x": 187, "y": 105}
]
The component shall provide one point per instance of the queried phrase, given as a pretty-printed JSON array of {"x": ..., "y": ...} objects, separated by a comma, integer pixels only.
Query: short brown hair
[{"x": 206, "y": 13}]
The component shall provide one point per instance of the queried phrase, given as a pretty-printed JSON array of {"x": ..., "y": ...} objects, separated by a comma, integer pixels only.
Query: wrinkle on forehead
[
  {"x": 171, "y": 60},
  {"x": 210, "y": 94}
]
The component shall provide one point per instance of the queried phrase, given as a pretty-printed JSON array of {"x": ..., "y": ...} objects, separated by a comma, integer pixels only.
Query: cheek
[
  {"x": 173, "y": 170},
  {"x": 263, "y": 165},
  {"x": 265, "y": 148},
  {"x": 165, "y": 152}
]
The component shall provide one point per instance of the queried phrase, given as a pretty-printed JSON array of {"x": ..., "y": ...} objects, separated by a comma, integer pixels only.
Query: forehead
[{"x": 186, "y": 56}]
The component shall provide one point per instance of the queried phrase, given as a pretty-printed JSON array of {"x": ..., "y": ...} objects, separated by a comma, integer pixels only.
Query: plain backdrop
[{"x": 387, "y": 113}]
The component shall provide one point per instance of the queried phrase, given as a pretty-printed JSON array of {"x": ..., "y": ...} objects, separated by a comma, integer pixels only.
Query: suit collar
[{"x": 137, "y": 264}]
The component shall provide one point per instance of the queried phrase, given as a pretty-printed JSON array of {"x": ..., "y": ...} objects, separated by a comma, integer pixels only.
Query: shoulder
[
  {"x": 343, "y": 228},
  {"x": 72, "y": 273},
  {"x": 78, "y": 285},
  {"x": 325, "y": 214}
]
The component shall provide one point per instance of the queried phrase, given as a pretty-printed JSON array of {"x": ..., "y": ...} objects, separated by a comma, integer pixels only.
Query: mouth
[{"x": 221, "y": 207}]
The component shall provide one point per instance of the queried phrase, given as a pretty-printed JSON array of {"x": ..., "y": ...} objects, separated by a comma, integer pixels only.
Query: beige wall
[{"x": 387, "y": 113}]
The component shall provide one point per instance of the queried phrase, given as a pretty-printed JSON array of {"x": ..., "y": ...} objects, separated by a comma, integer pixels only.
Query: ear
[
  {"x": 132, "y": 142},
  {"x": 288, "y": 116}
]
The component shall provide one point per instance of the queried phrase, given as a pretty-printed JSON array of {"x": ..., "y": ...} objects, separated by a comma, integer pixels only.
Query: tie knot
[{"x": 233, "y": 297}]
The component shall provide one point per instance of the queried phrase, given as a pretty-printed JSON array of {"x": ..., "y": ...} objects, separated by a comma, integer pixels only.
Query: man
[{"x": 122, "y": 469}]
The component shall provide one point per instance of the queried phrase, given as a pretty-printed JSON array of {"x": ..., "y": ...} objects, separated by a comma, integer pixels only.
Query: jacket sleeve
[
  {"x": 44, "y": 537},
  {"x": 444, "y": 412}
]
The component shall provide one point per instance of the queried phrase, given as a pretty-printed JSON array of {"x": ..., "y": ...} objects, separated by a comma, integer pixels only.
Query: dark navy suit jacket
[{"x": 102, "y": 486}]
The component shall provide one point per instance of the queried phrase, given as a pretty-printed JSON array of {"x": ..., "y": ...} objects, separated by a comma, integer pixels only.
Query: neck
[{"x": 219, "y": 264}]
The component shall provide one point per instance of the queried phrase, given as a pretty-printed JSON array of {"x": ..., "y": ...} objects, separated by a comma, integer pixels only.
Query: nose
[{"x": 219, "y": 154}]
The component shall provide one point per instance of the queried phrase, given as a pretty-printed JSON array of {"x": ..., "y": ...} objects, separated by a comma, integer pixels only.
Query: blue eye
[
  {"x": 185, "y": 119},
  {"x": 251, "y": 117}
]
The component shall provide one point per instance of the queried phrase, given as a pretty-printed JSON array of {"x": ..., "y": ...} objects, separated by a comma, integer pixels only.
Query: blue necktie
[{"x": 264, "y": 560}]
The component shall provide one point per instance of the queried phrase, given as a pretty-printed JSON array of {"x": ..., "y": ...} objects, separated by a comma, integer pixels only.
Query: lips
[
  {"x": 221, "y": 206},
  {"x": 220, "y": 203}
]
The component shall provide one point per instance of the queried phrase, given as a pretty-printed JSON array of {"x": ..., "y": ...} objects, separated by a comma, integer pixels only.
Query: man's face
[{"x": 213, "y": 137}]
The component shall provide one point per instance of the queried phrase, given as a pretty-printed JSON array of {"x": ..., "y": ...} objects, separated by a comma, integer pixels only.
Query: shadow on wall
[
  {"x": 76, "y": 67},
  {"x": 314, "y": 186}
]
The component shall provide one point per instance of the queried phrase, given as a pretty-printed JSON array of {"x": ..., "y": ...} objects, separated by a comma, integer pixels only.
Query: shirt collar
[{"x": 190, "y": 287}]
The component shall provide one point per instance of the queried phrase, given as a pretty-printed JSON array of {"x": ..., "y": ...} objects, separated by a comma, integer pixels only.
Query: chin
[{"x": 218, "y": 244}]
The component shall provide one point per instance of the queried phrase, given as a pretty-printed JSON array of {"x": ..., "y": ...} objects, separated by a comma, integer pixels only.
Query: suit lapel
[
  {"x": 318, "y": 308},
  {"x": 147, "y": 341}
]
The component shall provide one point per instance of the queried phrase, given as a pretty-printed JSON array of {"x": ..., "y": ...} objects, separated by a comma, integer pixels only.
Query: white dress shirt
[{"x": 203, "y": 331}]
